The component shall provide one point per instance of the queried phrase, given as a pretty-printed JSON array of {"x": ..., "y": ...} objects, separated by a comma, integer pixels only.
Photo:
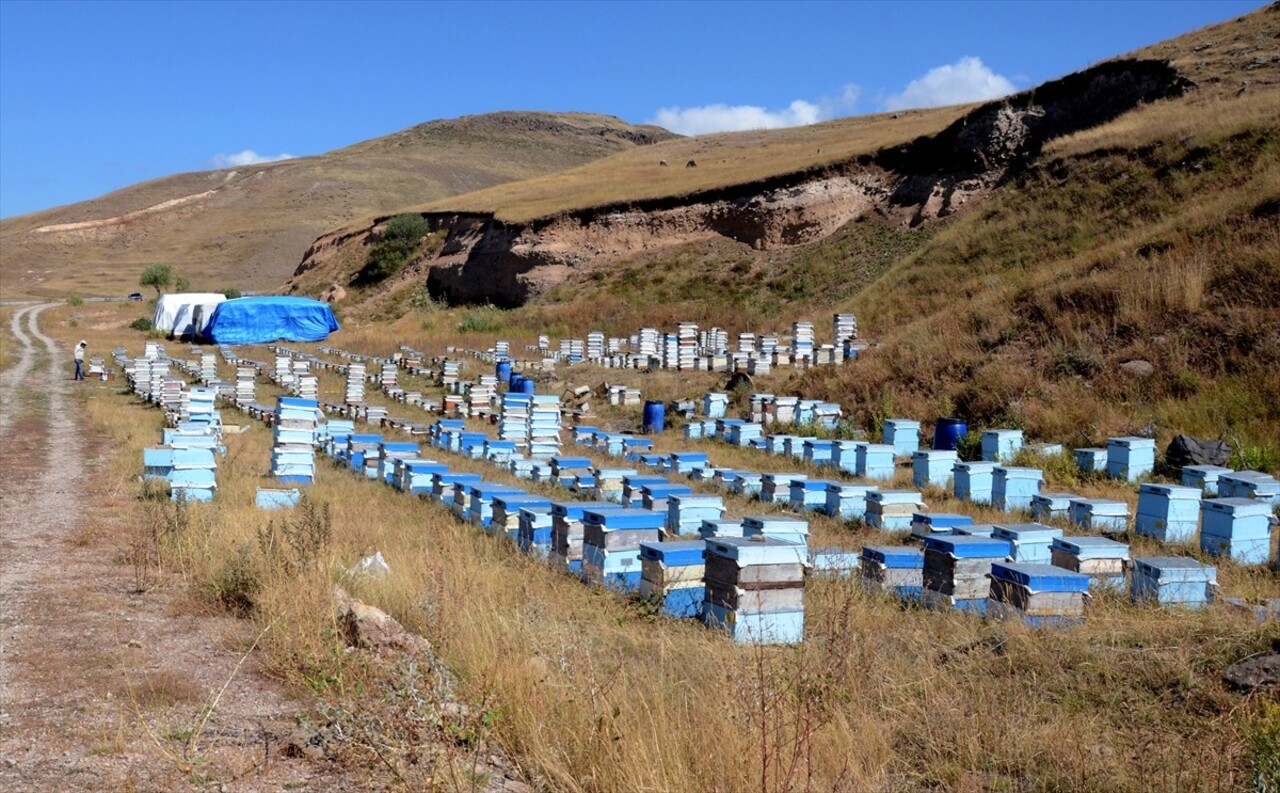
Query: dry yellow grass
[{"x": 590, "y": 693}]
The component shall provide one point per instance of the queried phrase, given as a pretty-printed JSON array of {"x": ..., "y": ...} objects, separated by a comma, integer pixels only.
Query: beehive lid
[
  {"x": 941, "y": 520},
  {"x": 895, "y": 557},
  {"x": 1026, "y": 532},
  {"x": 681, "y": 553},
  {"x": 1238, "y": 507},
  {"x": 895, "y": 496},
  {"x": 618, "y": 519},
  {"x": 1175, "y": 569},
  {"x": 1132, "y": 442},
  {"x": 666, "y": 489},
  {"x": 757, "y": 550},
  {"x": 1171, "y": 491},
  {"x": 771, "y": 523},
  {"x": 1092, "y": 547},
  {"x": 573, "y": 510},
  {"x": 1040, "y": 577},
  {"x": 968, "y": 547},
  {"x": 976, "y": 466}
]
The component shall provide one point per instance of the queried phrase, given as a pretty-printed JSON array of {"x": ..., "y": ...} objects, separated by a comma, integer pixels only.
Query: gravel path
[{"x": 100, "y": 686}]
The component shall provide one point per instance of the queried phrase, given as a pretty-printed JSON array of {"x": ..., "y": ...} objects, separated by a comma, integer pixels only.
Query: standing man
[{"x": 80, "y": 359}]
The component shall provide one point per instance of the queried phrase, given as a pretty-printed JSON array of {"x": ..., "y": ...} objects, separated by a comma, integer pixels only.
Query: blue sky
[{"x": 98, "y": 95}]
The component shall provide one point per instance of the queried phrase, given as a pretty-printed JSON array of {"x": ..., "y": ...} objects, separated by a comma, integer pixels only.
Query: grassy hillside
[{"x": 248, "y": 227}]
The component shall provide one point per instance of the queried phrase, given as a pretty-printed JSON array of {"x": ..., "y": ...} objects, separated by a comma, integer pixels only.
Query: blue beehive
[
  {"x": 534, "y": 537},
  {"x": 973, "y": 481},
  {"x": 808, "y": 495},
  {"x": 834, "y": 561},
  {"x": 1029, "y": 543},
  {"x": 633, "y": 485},
  {"x": 747, "y": 483},
  {"x": 584, "y": 435},
  {"x": 999, "y": 446},
  {"x": 714, "y": 404},
  {"x": 1237, "y": 527},
  {"x": 933, "y": 467},
  {"x": 903, "y": 435},
  {"x": 777, "y": 527},
  {"x": 277, "y": 499},
  {"x": 479, "y": 507},
  {"x": 1099, "y": 514},
  {"x": 743, "y": 434},
  {"x": 506, "y": 511},
  {"x": 776, "y": 444},
  {"x": 442, "y": 485},
  {"x": 1012, "y": 488},
  {"x": 891, "y": 510},
  {"x": 671, "y": 574},
  {"x": 846, "y": 501},
  {"x": 654, "y": 497},
  {"x": 1039, "y": 594},
  {"x": 1204, "y": 477},
  {"x": 1130, "y": 458},
  {"x": 724, "y": 527},
  {"x": 1250, "y": 484},
  {"x": 895, "y": 569},
  {"x": 976, "y": 530},
  {"x": 725, "y": 426},
  {"x": 795, "y": 445},
  {"x": 685, "y": 462},
  {"x": 755, "y": 589},
  {"x": 1169, "y": 513},
  {"x": 817, "y": 452},
  {"x": 1172, "y": 581},
  {"x": 1047, "y": 506},
  {"x": 775, "y": 488},
  {"x": 611, "y": 545},
  {"x": 1102, "y": 559},
  {"x": 956, "y": 570},
  {"x": 844, "y": 455},
  {"x": 874, "y": 461},
  {"x": 564, "y": 469},
  {"x": 686, "y": 512},
  {"x": 927, "y": 524}
]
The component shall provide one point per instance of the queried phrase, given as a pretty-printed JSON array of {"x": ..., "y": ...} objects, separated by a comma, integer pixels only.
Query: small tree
[
  {"x": 181, "y": 283},
  {"x": 158, "y": 276},
  {"x": 230, "y": 294}
]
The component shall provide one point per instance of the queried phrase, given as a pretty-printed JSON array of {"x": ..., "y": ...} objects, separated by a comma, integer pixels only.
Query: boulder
[
  {"x": 1251, "y": 674},
  {"x": 1139, "y": 369}
]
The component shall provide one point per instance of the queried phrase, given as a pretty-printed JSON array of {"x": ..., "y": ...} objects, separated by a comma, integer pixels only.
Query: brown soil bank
[{"x": 486, "y": 259}]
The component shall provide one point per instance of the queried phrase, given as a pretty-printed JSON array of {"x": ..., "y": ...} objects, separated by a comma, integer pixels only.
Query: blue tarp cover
[{"x": 262, "y": 320}]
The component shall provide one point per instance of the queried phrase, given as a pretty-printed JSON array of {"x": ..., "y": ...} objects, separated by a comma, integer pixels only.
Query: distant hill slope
[{"x": 248, "y": 227}]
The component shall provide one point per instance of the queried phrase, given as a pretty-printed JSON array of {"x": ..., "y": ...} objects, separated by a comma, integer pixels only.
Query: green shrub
[
  {"x": 391, "y": 253},
  {"x": 969, "y": 446},
  {"x": 75, "y": 300},
  {"x": 1253, "y": 457},
  {"x": 231, "y": 294},
  {"x": 141, "y": 323},
  {"x": 483, "y": 320}
]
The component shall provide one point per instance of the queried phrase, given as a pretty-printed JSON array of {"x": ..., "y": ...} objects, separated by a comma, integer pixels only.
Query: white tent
[{"x": 185, "y": 313}]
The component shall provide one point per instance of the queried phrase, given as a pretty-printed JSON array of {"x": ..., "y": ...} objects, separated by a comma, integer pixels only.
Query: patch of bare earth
[{"x": 103, "y": 686}]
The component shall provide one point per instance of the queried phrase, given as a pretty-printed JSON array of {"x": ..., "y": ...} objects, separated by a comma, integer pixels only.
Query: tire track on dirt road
[{"x": 81, "y": 649}]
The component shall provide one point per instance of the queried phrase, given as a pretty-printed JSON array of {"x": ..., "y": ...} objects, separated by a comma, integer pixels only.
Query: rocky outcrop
[{"x": 487, "y": 260}]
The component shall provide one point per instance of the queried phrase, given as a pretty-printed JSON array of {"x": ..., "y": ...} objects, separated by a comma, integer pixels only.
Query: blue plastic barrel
[
  {"x": 526, "y": 385},
  {"x": 655, "y": 417},
  {"x": 503, "y": 371},
  {"x": 513, "y": 382},
  {"x": 947, "y": 433}
]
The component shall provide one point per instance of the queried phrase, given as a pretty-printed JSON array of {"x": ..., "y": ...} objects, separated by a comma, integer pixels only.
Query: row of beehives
[
  {"x": 749, "y": 581},
  {"x": 1029, "y": 569},
  {"x": 186, "y": 459}
]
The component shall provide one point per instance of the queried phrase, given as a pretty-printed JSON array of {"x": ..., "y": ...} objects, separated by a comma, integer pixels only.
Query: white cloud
[
  {"x": 706, "y": 119},
  {"x": 966, "y": 80},
  {"x": 246, "y": 157}
]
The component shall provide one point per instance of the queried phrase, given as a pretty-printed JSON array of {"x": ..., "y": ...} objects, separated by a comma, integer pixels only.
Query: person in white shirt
[{"x": 80, "y": 348}]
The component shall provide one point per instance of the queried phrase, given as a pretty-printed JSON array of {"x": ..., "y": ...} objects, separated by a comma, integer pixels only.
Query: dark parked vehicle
[{"x": 135, "y": 295}]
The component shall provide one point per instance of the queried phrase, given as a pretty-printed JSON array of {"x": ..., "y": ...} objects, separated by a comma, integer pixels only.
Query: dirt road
[{"x": 103, "y": 687}]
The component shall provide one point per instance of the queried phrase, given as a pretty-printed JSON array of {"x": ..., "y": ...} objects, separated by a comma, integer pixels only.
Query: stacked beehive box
[
  {"x": 246, "y": 384},
  {"x": 933, "y": 467},
  {"x": 293, "y": 440},
  {"x": 956, "y": 569},
  {"x": 1106, "y": 515},
  {"x": 898, "y": 570},
  {"x": 611, "y": 545},
  {"x": 1029, "y": 543},
  {"x": 1172, "y": 581},
  {"x": 354, "y": 394},
  {"x": 1000, "y": 446},
  {"x": 535, "y": 531},
  {"x": 1204, "y": 478},
  {"x": 544, "y": 425},
  {"x": 567, "y": 531},
  {"x": 1013, "y": 488},
  {"x": 892, "y": 510},
  {"x": 671, "y": 575},
  {"x": 1102, "y": 559},
  {"x": 686, "y": 512},
  {"x": 1169, "y": 513},
  {"x": 1051, "y": 506},
  {"x": 1130, "y": 458},
  {"x": 755, "y": 589},
  {"x": 1236, "y": 527},
  {"x": 1039, "y": 594}
]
